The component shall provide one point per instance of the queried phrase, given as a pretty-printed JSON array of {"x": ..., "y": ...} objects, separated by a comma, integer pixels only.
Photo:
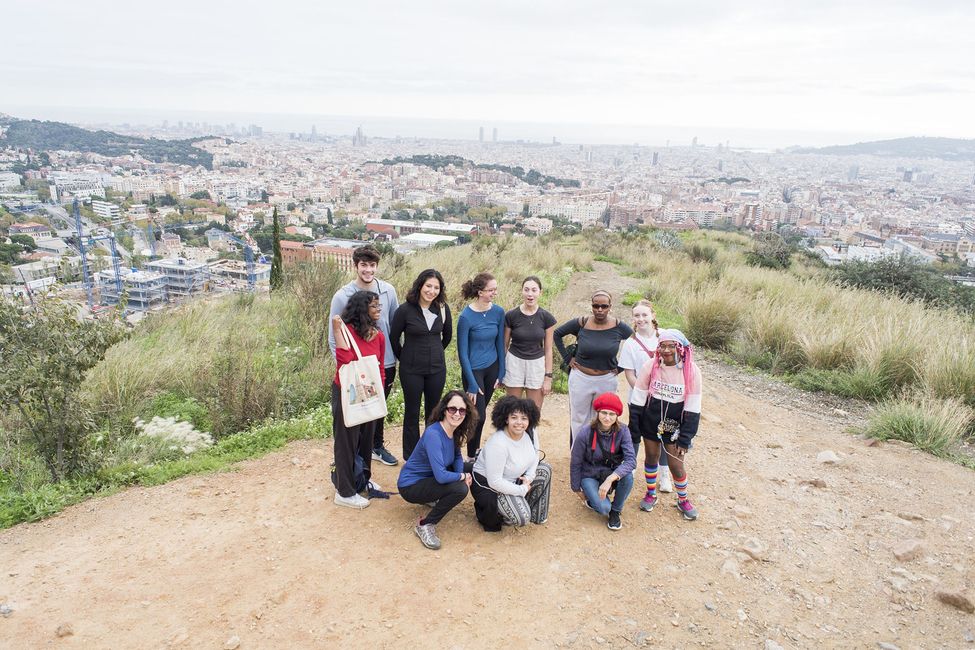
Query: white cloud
[{"x": 900, "y": 67}]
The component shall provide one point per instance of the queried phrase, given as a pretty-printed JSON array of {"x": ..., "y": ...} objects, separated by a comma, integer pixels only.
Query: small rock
[
  {"x": 641, "y": 638},
  {"x": 871, "y": 442},
  {"x": 956, "y": 599},
  {"x": 232, "y": 643},
  {"x": 742, "y": 616},
  {"x": 773, "y": 445},
  {"x": 708, "y": 605},
  {"x": 815, "y": 482},
  {"x": 910, "y": 516},
  {"x": 772, "y": 645},
  {"x": 742, "y": 511},
  {"x": 840, "y": 412},
  {"x": 754, "y": 549},
  {"x": 65, "y": 629},
  {"x": 969, "y": 637},
  {"x": 6, "y": 610},
  {"x": 296, "y": 461},
  {"x": 731, "y": 568},
  {"x": 600, "y": 640},
  {"x": 827, "y": 457},
  {"x": 178, "y": 638},
  {"x": 883, "y": 645},
  {"x": 908, "y": 550}
]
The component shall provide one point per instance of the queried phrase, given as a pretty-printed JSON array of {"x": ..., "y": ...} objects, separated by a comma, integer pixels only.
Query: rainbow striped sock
[
  {"x": 650, "y": 471},
  {"x": 680, "y": 484}
]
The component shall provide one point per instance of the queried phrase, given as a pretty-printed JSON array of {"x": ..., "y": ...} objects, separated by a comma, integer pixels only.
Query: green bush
[
  {"x": 711, "y": 319},
  {"x": 185, "y": 408},
  {"x": 931, "y": 424},
  {"x": 701, "y": 252}
]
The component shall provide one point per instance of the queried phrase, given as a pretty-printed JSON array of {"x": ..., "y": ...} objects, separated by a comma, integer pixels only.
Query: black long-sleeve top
[
  {"x": 421, "y": 349},
  {"x": 596, "y": 349}
]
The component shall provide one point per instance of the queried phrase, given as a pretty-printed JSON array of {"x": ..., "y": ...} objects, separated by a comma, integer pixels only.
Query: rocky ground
[{"x": 808, "y": 536}]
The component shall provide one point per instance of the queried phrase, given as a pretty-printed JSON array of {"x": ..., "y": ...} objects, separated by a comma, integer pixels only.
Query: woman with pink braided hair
[{"x": 670, "y": 386}]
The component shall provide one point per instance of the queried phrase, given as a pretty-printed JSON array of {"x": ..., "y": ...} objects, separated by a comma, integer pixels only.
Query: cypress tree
[{"x": 277, "y": 272}]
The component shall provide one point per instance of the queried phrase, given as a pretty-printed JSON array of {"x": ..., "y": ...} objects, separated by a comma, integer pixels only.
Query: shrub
[
  {"x": 711, "y": 319},
  {"x": 701, "y": 252},
  {"x": 931, "y": 424},
  {"x": 770, "y": 251},
  {"x": 47, "y": 351}
]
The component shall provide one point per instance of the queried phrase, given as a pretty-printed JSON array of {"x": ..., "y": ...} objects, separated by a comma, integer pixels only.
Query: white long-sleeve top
[{"x": 502, "y": 461}]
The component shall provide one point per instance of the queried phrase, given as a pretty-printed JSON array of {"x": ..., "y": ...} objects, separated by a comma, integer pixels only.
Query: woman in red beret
[{"x": 603, "y": 460}]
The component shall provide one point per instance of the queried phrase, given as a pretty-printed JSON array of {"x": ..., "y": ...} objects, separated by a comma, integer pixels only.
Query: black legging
[
  {"x": 415, "y": 387},
  {"x": 445, "y": 496},
  {"x": 485, "y": 379}
]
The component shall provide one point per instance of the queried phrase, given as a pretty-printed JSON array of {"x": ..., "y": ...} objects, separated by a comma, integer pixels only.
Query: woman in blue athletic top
[{"x": 480, "y": 347}]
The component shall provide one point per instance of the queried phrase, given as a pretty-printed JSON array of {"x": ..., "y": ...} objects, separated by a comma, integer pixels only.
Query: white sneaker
[
  {"x": 355, "y": 501},
  {"x": 664, "y": 482}
]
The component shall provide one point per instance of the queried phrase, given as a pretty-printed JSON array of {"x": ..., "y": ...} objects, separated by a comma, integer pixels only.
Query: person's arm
[
  {"x": 448, "y": 326},
  {"x": 381, "y": 354},
  {"x": 434, "y": 448},
  {"x": 691, "y": 420},
  {"x": 570, "y": 326},
  {"x": 507, "y": 333},
  {"x": 336, "y": 336},
  {"x": 463, "y": 353},
  {"x": 641, "y": 389},
  {"x": 494, "y": 459},
  {"x": 339, "y": 300},
  {"x": 396, "y": 328},
  {"x": 549, "y": 362},
  {"x": 575, "y": 460},
  {"x": 627, "y": 361}
]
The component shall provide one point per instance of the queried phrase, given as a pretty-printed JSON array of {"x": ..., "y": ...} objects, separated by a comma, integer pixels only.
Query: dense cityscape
[{"x": 177, "y": 229}]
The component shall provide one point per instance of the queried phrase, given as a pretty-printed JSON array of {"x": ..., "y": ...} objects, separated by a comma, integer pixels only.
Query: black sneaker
[
  {"x": 614, "y": 522},
  {"x": 383, "y": 456}
]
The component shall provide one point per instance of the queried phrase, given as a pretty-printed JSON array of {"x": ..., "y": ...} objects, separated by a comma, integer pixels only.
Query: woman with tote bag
[{"x": 358, "y": 401}]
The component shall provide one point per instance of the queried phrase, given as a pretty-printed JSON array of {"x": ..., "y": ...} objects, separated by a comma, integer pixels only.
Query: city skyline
[{"x": 801, "y": 70}]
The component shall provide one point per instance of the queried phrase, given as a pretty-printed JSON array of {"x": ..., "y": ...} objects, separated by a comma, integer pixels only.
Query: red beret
[{"x": 608, "y": 402}]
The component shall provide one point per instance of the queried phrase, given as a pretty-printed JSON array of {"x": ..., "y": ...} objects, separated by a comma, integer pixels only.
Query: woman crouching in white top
[{"x": 511, "y": 486}]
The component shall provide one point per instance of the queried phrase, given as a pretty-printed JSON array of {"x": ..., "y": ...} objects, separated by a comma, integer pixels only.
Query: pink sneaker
[
  {"x": 687, "y": 509},
  {"x": 648, "y": 502}
]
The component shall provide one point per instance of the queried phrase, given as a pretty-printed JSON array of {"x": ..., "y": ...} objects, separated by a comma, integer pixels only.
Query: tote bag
[{"x": 363, "y": 399}]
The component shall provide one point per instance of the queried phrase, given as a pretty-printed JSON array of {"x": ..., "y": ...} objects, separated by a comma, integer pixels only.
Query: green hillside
[{"x": 51, "y": 136}]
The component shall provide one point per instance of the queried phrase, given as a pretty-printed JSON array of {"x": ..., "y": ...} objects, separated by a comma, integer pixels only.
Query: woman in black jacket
[{"x": 419, "y": 332}]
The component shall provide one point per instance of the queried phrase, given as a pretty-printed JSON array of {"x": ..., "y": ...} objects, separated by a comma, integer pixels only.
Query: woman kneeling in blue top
[
  {"x": 434, "y": 472},
  {"x": 603, "y": 460}
]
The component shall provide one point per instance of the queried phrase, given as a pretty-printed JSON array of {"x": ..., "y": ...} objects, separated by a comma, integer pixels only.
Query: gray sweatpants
[{"x": 583, "y": 389}]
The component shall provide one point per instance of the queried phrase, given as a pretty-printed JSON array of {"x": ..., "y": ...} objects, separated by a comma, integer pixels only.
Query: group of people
[{"x": 507, "y": 476}]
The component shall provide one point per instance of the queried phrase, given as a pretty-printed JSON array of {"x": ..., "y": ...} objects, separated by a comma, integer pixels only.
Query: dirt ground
[{"x": 260, "y": 557}]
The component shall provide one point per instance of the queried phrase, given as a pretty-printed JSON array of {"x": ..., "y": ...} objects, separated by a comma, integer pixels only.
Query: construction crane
[
  {"x": 86, "y": 241},
  {"x": 248, "y": 259}
]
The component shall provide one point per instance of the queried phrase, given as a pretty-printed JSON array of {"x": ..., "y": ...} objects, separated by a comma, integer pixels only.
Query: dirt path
[{"x": 262, "y": 555}]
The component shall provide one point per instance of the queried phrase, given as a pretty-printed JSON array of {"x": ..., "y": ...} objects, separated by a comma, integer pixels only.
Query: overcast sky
[{"x": 888, "y": 68}]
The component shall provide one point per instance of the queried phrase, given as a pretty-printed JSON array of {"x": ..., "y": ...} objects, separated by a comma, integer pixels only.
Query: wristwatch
[{"x": 548, "y": 374}]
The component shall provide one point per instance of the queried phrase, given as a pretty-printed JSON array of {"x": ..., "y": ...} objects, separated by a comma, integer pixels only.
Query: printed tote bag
[{"x": 362, "y": 387}]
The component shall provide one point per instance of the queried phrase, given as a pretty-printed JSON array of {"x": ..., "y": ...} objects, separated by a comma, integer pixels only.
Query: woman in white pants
[{"x": 592, "y": 365}]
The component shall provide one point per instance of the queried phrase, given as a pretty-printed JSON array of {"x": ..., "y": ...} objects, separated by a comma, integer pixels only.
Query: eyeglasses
[
  {"x": 600, "y": 306},
  {"x": 668, "y": 346},
  {"x": 456, "y": 410}
]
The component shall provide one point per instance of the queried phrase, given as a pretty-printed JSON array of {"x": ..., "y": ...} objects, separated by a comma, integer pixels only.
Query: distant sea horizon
[{"x": 466, "y": 129}]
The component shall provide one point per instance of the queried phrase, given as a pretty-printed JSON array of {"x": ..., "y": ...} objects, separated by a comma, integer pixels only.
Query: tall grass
[
  {"x": 932, "y": 424},
  {"x": 244, "y": 358},
  {"x": 820, "y": 336}
]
